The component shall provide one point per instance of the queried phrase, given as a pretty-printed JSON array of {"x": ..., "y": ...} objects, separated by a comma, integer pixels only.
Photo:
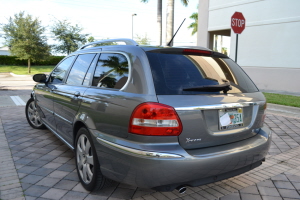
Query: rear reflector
[
  {"x": 265, "y": 110},
  {"x": 263, "y": 116},
  {"x": 155, "y": 119},
  {"x": 196, "y": 52}
]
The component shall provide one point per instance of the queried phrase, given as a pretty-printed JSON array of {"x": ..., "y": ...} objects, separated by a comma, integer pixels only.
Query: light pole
[{"x": 132, "y": 23}]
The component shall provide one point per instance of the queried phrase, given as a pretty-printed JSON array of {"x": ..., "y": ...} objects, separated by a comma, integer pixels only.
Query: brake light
[
  {"x": 196, "y": 52},
  {"x": 155, "y": 119}
]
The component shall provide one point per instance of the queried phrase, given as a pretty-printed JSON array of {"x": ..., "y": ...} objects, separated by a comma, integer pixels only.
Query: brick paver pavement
[{"x": 37, "y": 165}]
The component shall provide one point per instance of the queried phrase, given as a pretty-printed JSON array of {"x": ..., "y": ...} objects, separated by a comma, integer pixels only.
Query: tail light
[{"x": 155, "y": 119}]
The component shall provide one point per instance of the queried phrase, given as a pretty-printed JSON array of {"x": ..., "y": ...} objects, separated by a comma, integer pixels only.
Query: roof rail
[{"x": 126, "y": 40}]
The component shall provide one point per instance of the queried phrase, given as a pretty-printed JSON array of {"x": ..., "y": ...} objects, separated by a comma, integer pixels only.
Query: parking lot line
[{"x": 18, "y": 101}]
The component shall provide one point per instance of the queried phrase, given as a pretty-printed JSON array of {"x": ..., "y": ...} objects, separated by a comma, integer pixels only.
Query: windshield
[{"x": 183, "y": 74}]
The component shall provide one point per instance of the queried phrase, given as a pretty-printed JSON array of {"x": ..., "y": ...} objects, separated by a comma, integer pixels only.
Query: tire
[
  {"x": 87, "y": 164},
  {"x": 32, "y": 115}
]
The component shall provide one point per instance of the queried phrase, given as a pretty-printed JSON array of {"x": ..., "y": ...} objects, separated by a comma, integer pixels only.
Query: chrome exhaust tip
[{"x": 181, "y": 189}]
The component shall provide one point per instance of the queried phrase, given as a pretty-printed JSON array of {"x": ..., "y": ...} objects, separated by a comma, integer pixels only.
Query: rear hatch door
[{"x": 216, "y": 101}]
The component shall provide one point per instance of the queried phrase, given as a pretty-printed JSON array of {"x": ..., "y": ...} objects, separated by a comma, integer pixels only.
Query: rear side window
[
  {"x": 111, "y": 71},
  {"x": 174, "y": 74},
  {"x": 79, "y": 69},
  {"x": 58, "y": 74}
]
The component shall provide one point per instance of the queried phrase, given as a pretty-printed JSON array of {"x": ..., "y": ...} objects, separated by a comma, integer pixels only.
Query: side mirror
[{"x": 40, "y": 78}]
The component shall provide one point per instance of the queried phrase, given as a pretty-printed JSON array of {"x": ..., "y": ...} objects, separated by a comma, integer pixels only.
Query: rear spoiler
[{"x": 189, "y": 51}]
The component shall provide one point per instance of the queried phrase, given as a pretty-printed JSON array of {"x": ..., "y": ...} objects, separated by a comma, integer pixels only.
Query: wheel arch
[
  {"x": 82, "y": 119},
  {"x": 76, "y": 127},
  {"x": 32, "y": 94}
]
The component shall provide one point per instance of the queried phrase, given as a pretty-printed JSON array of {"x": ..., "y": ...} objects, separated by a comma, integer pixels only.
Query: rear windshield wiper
[{"x": 210, "y": 88}]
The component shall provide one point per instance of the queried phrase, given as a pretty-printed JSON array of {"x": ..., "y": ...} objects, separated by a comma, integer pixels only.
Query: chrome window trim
[
  {"x": 139, "y": 152},
  {"x": 220, "y": 106}
]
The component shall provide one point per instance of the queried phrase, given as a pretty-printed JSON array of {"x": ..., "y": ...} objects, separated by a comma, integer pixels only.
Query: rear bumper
[{"x": 156, "y": 168}]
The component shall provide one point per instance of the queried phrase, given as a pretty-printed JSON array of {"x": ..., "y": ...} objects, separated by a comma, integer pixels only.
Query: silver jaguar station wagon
[{"x": 152, "y": 117}]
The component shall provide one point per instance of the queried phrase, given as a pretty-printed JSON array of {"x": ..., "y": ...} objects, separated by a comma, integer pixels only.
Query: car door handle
[{"x": 77, "y": 94}]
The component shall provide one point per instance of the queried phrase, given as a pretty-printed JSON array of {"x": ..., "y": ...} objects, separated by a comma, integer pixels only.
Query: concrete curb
[
  {"x": 286, "y": 111},
  {"x": 16, "y": 75}
]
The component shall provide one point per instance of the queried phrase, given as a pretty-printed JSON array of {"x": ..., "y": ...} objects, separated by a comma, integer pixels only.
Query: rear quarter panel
[{"x": 109, "y": 111}]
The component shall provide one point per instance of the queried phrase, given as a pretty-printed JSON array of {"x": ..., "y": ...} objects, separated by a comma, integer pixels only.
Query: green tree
[
  {"x": 69, "y": 37},
  {"x": 142, "y": 40},
  {"x": 116, "y": 66},
  {"x": 91, "y": 39},
  {"x": 194, "y": 25},
  {"x": 24, "y": 36}
]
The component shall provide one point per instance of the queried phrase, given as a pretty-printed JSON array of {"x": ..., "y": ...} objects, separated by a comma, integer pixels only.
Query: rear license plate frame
[{"x": 236, "y": 122}]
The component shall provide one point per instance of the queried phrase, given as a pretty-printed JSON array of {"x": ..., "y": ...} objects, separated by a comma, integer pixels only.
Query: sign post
[{"x": 238, "y": 24}]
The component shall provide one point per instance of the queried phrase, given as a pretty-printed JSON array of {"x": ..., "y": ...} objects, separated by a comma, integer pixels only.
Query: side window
[
  {"x": 58, "y": 74},
  {"x": 111, "y": 71},
  {"x": 80, "y": 69}
]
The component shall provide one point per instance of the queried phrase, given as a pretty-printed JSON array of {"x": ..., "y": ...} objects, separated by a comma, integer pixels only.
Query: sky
[{"x": 104, "y": 19}]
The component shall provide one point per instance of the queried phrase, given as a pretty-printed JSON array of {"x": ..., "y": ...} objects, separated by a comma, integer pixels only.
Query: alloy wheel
[
  {"x": 33, "y": 115},
  {"x": 84, "y": 159}
]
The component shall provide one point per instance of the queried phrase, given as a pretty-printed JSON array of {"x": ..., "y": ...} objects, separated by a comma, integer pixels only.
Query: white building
[
  {"x": 4, "y": 51},
  {"x": 267, "y": 48}
]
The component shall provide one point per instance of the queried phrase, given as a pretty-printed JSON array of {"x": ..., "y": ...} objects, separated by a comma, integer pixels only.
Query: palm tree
[
  {"x": 159, "y": 19},
  {"x": 170, "y": 19},
  {"x": 116, "y": 66},
  {"x": 194, "y": 25}
]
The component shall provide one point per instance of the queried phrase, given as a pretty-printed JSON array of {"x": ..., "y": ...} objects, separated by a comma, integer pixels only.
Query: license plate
[{"x": 230, "y": 118}]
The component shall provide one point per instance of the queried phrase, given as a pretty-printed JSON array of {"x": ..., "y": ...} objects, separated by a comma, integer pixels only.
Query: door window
[
  {"x": 111, "y": 71},
  {"x": 80, "y": 69},
  {"x": 58, "y": 74}
]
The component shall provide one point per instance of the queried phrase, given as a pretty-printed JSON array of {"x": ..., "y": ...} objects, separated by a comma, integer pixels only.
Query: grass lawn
[
  {"x": 281, "y": 99},
  {"x": 20, "y": 70}
]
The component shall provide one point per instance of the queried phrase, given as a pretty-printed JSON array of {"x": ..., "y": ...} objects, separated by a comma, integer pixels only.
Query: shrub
[{"x": 12, "y": 60}]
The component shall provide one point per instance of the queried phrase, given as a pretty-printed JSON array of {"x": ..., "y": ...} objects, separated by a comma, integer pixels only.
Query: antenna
[{"x": 175, "y": 33}]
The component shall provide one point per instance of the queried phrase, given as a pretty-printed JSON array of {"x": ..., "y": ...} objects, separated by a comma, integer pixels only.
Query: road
[{"x": 11, "y": 82}]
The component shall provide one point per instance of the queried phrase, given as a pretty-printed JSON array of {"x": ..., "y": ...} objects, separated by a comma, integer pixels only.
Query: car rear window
[{"x": 174, "y": 73}]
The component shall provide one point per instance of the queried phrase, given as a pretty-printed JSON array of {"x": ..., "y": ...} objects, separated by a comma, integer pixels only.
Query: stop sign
[{"x": 238, "y": 22}]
